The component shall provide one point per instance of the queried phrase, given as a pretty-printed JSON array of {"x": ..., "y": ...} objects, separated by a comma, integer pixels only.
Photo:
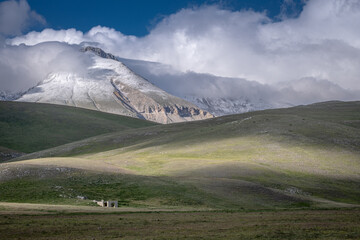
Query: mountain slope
[
  {"x": 30, "y": 127},
  {"x": 215, "y": 94},
  {"x": 227, "y": 106},
  {"x": 306, "y": 156},
  {"x": 109, "y": 86}
]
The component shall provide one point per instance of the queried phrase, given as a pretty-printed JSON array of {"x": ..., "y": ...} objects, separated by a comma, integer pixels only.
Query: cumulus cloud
[
  {"x": 196, "y": 84},
  {"x": 70, "y": 36},
  {"x": 191, "y": 84},
  {"x": 16, "y": 16},
  {"x": 301, "y": 58},
  {"x": 310, "y": 90},
  {"x": 23, "y": 67},
  {"x": 323, "y": 42}
]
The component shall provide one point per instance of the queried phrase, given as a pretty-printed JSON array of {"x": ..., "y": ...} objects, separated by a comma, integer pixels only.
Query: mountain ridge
[{"x": 110, "y": 86}]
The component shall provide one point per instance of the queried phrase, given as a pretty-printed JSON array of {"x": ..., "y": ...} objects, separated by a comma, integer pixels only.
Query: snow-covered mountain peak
[
  {"x": 124, "y": 75},
  {"x": 110, "y": 86}
]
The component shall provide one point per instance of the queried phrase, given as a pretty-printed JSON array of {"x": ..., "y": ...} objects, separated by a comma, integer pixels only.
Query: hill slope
[
  {"x": 305, "y": 156},
  {"x": 30, "y": 127}
]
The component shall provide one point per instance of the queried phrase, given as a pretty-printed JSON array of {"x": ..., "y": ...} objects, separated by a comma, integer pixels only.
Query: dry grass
[{"x": 315, "y": 224}]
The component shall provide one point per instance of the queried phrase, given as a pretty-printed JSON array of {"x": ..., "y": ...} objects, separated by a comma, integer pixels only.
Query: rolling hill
[
  {"x": 30, "y": 127},
  {"x": 305, "y": 156}
]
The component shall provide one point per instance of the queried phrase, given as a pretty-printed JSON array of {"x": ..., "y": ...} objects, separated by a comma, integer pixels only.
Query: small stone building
[{"x": 103, "y": 203}]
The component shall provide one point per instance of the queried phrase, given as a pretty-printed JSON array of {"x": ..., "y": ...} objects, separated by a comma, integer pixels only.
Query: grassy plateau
[{"x": 284, "y": 173}]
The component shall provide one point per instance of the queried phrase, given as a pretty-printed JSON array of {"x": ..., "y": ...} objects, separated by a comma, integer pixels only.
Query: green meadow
[
  {"x": 28, "y": 127},
  {"x": 305, "y": 158}
]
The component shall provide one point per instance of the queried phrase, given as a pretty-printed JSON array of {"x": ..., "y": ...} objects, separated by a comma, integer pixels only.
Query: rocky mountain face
[
  {"x": 110, "y": 86},
  {"x": 227, "y": 106},
  {"x": 99, "y": 52}
]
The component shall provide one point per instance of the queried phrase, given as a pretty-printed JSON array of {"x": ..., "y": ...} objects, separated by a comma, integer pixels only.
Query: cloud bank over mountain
[
  {"x": 23, "y": 67},
  {"x": 314, "y": 56},
  {"x": 15, "y": 17}
]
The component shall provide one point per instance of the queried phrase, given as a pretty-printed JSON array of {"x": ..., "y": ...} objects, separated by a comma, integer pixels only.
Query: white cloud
[
  {"x": 310, "y": 90},
  {"x": 23, "y": 67},
  {"x": 70, "y": 36},
  {"x": 323, "y": 42},
  {"x": 16, "y": 16},
  {"x": 312, "y": 57},
  {"x": 301, "y": 91}
]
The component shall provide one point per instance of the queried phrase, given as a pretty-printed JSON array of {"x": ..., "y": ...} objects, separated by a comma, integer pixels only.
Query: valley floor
[{"x": 35, "y": 221}]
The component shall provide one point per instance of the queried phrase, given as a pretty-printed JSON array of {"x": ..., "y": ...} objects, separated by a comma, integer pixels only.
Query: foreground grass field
[{"x": 301, "y": 224}]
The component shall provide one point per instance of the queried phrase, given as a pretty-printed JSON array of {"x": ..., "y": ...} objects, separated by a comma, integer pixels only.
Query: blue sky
[{"x": 135, "y": 17}]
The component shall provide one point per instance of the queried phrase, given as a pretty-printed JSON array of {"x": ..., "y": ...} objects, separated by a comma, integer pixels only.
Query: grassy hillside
[
  {"x": 30, "y": 127},
  {"x": 306, "y": 156}
]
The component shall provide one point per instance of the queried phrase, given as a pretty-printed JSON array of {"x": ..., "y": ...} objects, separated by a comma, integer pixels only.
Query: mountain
[
  {"x": 215, "y": 94},
  {"x": 109, "y": 86},
  {"x": 220, "y": 106}
]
